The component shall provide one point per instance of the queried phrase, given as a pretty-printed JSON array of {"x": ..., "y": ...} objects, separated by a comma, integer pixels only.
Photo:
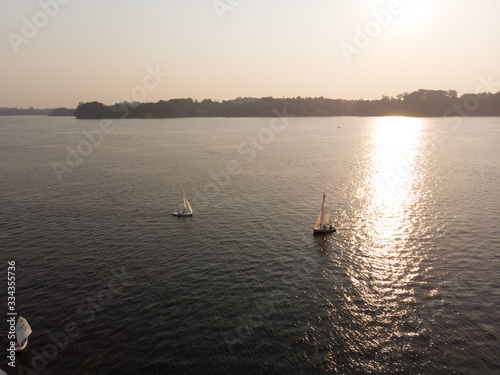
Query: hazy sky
[{"x": 61, "y": 52}]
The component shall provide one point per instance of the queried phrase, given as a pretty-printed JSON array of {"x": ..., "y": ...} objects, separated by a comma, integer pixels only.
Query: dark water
[{"x": 111, "y": 283}]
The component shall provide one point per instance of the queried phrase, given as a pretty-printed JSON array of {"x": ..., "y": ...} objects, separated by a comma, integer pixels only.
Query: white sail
[
  {"x": 320, "y": 218},
  {"x": 187, "y": 206},
  {"x": 23, "y": 330},
  {"x": 326, "y": 211},
  {"x": 324, "y": 214}
]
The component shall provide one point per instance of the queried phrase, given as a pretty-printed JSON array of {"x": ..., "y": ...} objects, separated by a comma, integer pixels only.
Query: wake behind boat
[
  {"x": 23, "y": 330},
  {"x": 323, "y": 223},
  {"x": 187, "y": 211}
]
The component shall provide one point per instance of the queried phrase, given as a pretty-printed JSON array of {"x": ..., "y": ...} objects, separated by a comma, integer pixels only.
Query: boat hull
[
  {"x": 324, "y": 230},
  {"x": 181, "y": 214},
  {"x": 22, "y": 346}
]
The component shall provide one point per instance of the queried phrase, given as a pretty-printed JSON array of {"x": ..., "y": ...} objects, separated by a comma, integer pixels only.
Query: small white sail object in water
[
  {"x": 323, "y": 224},
  {"x": 23, "y": 330},
  {"x": 187, "y": 211}
]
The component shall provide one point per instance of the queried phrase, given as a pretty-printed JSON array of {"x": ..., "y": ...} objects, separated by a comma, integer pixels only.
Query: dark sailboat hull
[{"x": 323, "y": 230}]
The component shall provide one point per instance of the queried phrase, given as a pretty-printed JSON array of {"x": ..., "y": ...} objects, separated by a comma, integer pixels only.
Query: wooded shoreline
[{"x": 421, "y": 103}]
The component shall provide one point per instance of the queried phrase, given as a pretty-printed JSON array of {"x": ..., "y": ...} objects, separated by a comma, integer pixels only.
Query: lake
[{"x": 112, "y": 283}]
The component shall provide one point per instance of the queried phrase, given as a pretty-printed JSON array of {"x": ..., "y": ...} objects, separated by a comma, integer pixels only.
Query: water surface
[{"x": 408, "y": 283}]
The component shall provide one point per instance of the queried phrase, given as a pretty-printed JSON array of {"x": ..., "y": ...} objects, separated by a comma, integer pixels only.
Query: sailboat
[
  {"x": 23, "y": 330},
  {"x": 187, "y": 211},
  {"x": 323, "y": 224}
]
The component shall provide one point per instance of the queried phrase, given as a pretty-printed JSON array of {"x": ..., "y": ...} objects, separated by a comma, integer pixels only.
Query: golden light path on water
[{"x": 383, "y": 257}]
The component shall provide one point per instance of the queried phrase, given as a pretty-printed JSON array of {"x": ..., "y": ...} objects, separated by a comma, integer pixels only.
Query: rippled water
[{"x": 409, "y": 282}]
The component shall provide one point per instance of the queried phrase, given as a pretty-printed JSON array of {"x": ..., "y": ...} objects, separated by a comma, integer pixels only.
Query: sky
[{"x": 57, "y": 53}]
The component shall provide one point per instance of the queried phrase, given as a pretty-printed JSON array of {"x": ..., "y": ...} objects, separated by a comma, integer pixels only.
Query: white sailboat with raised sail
[
  {"x": 23, "y": 330},
  {"x": 323, "y": 223},
  {"x": 187, "y": 211}
]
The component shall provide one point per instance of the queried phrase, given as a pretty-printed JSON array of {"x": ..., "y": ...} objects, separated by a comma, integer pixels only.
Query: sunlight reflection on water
[{"x": 384, "y": 261}]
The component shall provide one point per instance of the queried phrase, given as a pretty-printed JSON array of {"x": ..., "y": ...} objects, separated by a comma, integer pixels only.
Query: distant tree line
[
  {"x": 62, "y": 112},
  {"x": 421, "y": 103},
  {"x": 36, "y": 112},
  {"x": 24, "y": 112}
]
